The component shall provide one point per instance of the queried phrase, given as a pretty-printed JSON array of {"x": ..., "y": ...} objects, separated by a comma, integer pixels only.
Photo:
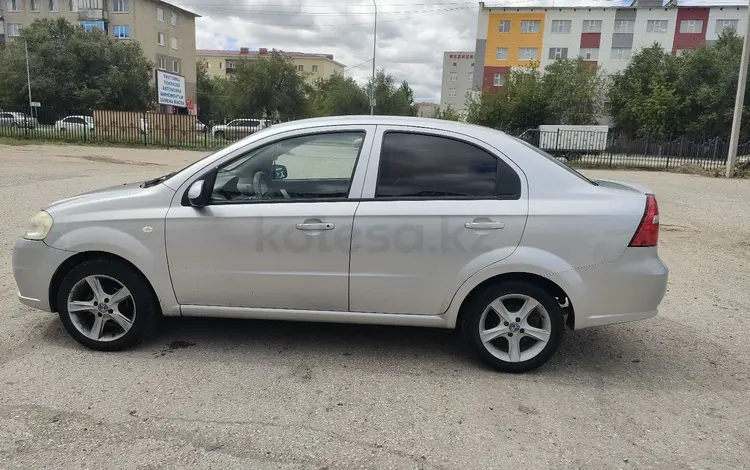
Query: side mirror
[
  {"x": 199, "y": 192},
  {"x": 279, "y": 172}
]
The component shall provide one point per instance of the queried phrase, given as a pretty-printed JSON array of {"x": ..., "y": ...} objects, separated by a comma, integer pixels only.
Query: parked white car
[
  {"x": 75, "y": 124},
  {"x": 239, "y": 128},
  {"x": 18, "y": 120}
]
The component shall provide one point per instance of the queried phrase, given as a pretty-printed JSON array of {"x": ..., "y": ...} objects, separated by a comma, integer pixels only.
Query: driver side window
[{"x": 318, "y": 166}]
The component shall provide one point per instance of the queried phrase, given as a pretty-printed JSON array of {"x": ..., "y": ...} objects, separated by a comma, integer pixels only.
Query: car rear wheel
[
  {"x": 107, "y": 306},
  {"x": 514, "y": 326},
  {"x": 219, "y": 135}
]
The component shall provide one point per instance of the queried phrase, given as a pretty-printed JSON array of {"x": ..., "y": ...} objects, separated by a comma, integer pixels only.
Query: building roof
[
  {"x": 243, "y": 52},
  {"x": 609, "y": 3},
  {"x": 176, "y": 7}
]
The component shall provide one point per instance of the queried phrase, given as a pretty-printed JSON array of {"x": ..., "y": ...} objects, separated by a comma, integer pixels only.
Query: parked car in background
[
  {"x": 76, "y": 124},
  {"x": 569, "y": 141},
  {"x": 239, "y": 128},
  {"x": 511, "y": 245},
  {"x": 11, "y": 119}
]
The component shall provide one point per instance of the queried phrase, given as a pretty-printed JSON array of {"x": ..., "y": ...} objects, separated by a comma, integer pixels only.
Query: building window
[
  {"x": 173, "y": 43},
  {"x": 527, "y": 53},
  {"x": 315, "y": 69},
  {"x": 13, "y": 29},
  {"x": 621, "y": 53},
  {"x": 498, "y": 79},
  {"x": 691, "y": 26},
  {"x": 160, "y": 14},
  {"x": 161, "y": 38},
  {"x": 590, "y": 54},
  {"x": 471, "y": 77},
  {"x": 54, "y": 6},
  {"x": 121, "y": 6},
  {"x": 161, "y": 63},
  {"x": 561, "y": 26},
  {"x": 592, "y": 26},
  {"x": 531, "y": 26},
  {"x": 454, "y": 64},
  {"x": 503, "y": 26},
  {"x": 175, "y": 66},
  {"x": 624, "y": 26},
  {"x": 452, "y": 93},
  {"x": 121, "y": 32},
  {"x": 221, "y": 65},
  {"x": 73, "y": 6},
  {"x": 454, "y": 76},
  {"x": 35, "y": 5},
  {"x": 682, "y": 52},
  {"x": 501, "y": 53},
  {"x": 721, "y": 25},
  {"x": 230, "y": 64},
  {"x": 656, "y": 26},
  {"x": 173, "y": 19},
  {"x": 208, "y": 65},
  {"x": 558, "y": 53},
  {"x": 14, "y": 5},
  {"x": 300, "y": 68}
]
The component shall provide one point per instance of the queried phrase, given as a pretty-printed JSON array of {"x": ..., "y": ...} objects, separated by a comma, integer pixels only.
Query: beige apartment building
[
  {"x": 166, "y": 32},
  {"x": 221, "y": 63}
]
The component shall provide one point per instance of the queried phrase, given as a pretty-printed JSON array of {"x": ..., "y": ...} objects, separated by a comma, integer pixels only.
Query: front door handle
[
  {"x": 489, "y": 225},
  {"x": 316, "y": 226}
]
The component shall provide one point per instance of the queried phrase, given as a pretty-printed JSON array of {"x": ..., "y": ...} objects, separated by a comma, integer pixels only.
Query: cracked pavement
[{"x": 670, "y": 392}]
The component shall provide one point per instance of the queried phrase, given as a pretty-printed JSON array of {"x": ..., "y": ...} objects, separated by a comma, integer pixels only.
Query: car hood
[{"x": 124, "y": 196}]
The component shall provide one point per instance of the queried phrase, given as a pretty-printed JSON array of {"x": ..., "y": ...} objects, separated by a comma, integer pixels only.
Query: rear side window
[
  {"x": 429, "y": 166},
  {"x": 554, "y": 160}
]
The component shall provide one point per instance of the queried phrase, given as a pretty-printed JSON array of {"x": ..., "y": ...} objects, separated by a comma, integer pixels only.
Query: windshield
[{"x": 553, "y": 159}]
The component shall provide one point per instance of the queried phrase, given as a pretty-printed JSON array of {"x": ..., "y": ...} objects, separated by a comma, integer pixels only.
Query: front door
[
  {"x": 265, "y": 242},
  {"x": 437, "y": 207}
]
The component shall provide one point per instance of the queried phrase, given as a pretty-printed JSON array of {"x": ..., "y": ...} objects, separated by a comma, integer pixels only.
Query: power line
[{"x": 358, "y": 65}]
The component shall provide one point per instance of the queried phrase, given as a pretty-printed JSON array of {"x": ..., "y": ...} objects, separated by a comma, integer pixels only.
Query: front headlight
[{"x": 39, "y": 226}]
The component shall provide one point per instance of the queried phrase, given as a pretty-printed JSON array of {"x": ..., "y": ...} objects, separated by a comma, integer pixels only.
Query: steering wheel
[{"x": 262, "y": 185}]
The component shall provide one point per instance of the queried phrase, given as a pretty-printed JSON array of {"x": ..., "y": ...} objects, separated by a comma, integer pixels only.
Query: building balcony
[{"x": 92, "y": 10}]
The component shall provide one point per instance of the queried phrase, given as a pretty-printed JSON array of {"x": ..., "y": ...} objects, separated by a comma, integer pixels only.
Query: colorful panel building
[{"x": 606, "y": 34}]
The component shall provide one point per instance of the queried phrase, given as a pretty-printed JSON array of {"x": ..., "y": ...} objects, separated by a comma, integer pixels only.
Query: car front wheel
[
  {"x": 106, "y": 305},
  {"x": 514, "y": 326},
  {"x": 219, "y": 134}
]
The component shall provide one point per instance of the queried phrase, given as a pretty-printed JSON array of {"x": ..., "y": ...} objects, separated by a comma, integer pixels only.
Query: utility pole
[
  {"x": 739, "y": 101},
  {"x": 374, "y": 45},
  {"x": 28, "y": 74}
]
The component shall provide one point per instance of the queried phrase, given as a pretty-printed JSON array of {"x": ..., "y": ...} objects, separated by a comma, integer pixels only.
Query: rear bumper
[
  {"x": 625, "y": 290},
  {"x": 34, "y": 265}
]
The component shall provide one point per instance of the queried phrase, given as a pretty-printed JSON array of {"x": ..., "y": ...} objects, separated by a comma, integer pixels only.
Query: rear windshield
[{"x": 555, "y": 160}]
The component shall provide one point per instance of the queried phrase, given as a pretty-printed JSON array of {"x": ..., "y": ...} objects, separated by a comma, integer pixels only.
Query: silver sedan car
[{"x": 358, "y": 219}]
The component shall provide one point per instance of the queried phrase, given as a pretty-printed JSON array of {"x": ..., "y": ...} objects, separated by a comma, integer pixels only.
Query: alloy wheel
[
  {"x": 515, "y": 328},
  {"x": 101, "y": 308}
]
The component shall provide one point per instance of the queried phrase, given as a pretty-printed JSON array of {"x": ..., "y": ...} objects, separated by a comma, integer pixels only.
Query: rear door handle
[
  {"x": 484, "y": 225},
  {"x": 316, "y": 226}
]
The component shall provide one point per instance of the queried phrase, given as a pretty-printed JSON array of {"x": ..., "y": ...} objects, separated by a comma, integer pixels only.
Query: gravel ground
[{"x": 664, "y": 393}]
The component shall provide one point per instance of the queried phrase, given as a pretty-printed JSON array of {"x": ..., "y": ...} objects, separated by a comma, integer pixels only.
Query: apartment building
[
  {"x": 458, "y": 79},
  {"x": 221, "y": 63},
  {"x": 166, "y": 32},
  {"x": 605, "y": 36}
]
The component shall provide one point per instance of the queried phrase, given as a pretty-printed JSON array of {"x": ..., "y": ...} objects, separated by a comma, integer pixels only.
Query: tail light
[{"x": 648, "y": 230}]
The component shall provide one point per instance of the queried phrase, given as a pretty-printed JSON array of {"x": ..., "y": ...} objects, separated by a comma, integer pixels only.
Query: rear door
[{"x": 436, "y": 208}]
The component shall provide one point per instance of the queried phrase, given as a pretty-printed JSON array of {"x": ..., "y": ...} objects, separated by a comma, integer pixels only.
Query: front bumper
[{"x": 34, "y": 265}]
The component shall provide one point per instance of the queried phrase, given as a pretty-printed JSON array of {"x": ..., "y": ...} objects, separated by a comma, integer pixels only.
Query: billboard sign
[{"x": 170, "y": 89}]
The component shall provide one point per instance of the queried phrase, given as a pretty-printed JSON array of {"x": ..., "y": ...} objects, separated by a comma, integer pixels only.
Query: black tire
[
  {"x": 473, "y": 315},
  {"x": 219, "y": 135},
  {"x": 146, "y": 304}
]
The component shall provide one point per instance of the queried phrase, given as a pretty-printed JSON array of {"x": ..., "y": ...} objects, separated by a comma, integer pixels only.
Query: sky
[{"x": 411, "y": 36}]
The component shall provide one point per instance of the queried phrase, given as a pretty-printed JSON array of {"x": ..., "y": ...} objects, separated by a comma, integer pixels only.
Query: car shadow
[{"x": 630, "y": 356}]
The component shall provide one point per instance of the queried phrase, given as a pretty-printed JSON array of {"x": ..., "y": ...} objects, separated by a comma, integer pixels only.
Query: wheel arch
[
  {"x": 545, "y": 283},
  {"x": 82, "y": 257}
]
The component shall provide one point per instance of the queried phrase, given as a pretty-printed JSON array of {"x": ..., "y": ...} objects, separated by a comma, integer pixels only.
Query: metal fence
[
  {"x": 134, "y": 128},
  {"x": 138, "y": 128},
  {"x": 609, "y": 149}
]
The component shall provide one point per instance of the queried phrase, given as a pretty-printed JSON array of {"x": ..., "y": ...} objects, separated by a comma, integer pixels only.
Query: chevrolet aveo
[{"x": 373, "y": 220}]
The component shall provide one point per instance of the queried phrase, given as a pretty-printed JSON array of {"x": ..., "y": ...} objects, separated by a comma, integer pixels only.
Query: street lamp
[{"x": 374, "y": 44}]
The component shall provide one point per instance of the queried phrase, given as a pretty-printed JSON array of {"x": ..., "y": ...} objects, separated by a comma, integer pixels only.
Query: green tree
[
  {"x": 72, "y": 69},
  {"x": 519, "y": 105},
  {"x": 574, "y": 90},
  {"x": 448, "y": 114},
  {"x": 338, "y": 95},
  {"x": 210, "y": 91},
  {"x": 270, "y": 87},
  {"x": 392, "y": 99},
  {"x": 650, "y": 71}
]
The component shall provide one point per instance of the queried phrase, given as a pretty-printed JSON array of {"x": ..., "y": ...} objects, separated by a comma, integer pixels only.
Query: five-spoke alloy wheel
[
  {"x": 106, "y": 305},
  {"x": 514, "y": 326}
]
